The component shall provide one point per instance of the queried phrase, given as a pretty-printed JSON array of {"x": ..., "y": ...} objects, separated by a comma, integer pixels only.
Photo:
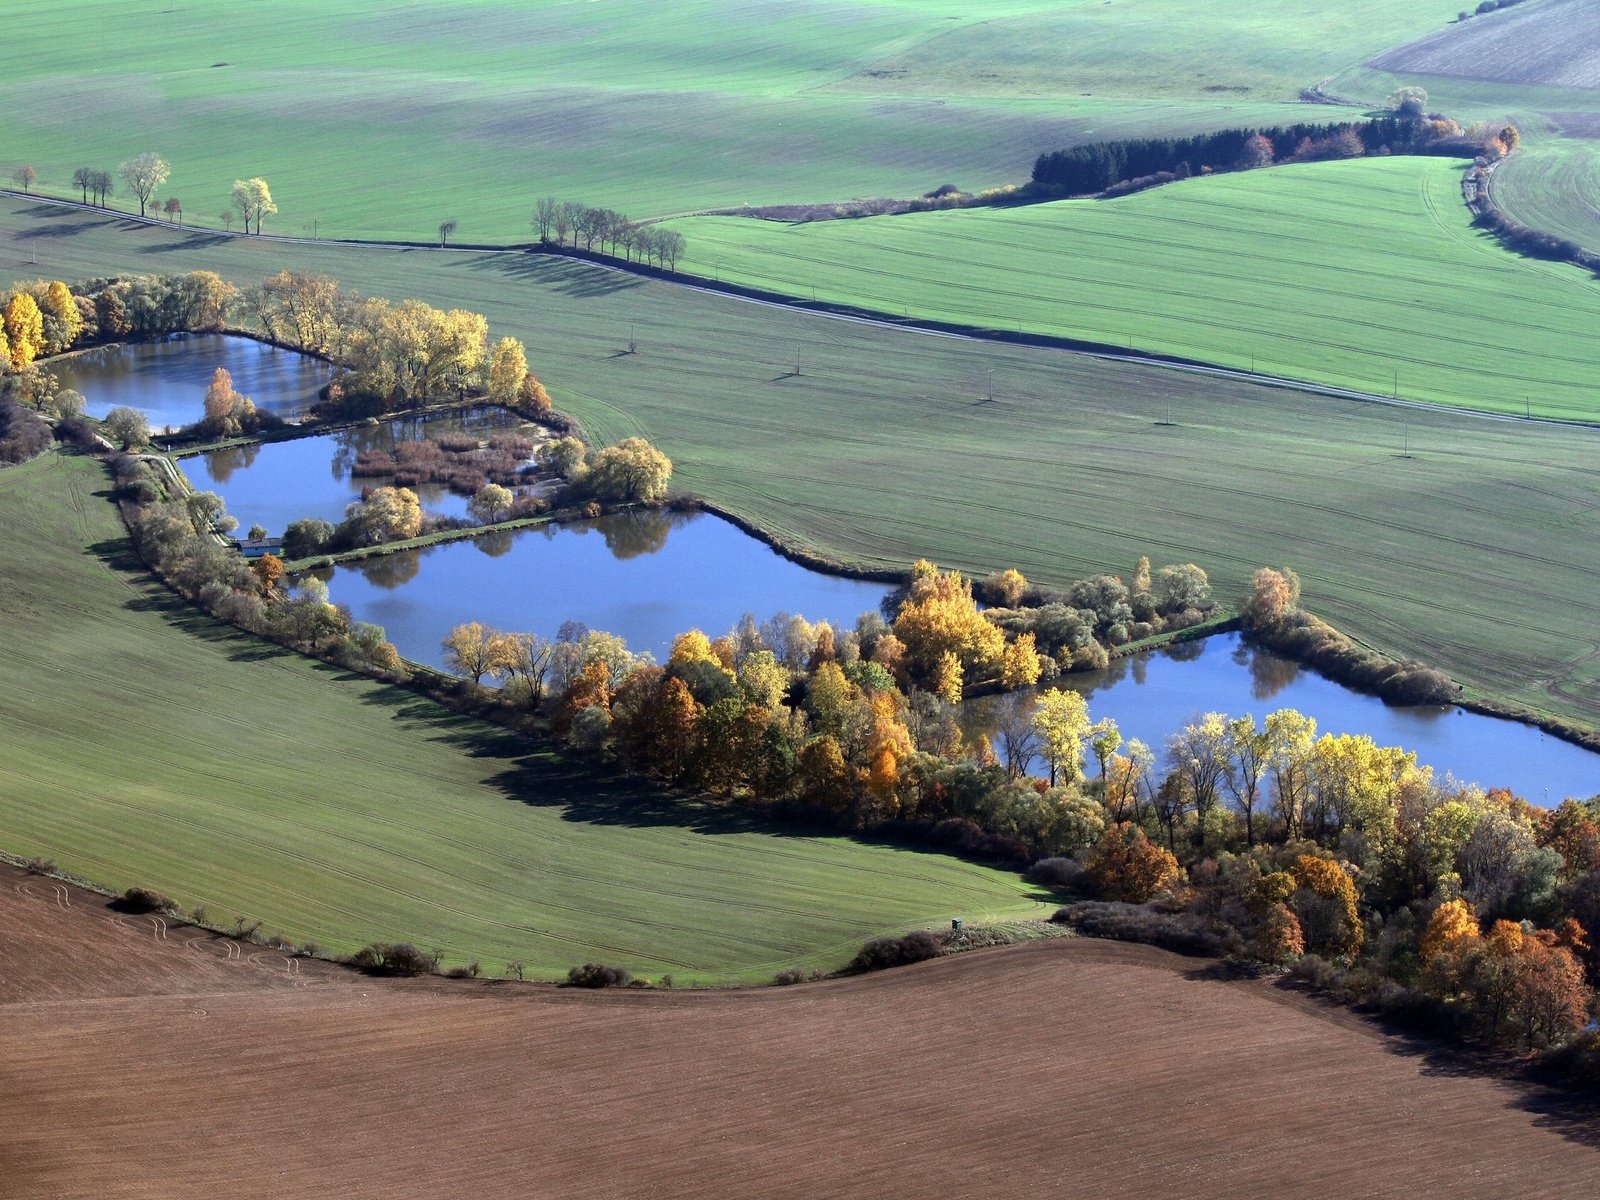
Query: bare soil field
[
  {"x": 136, "y": 1066},
  {"x": 1554, "y": 43}
]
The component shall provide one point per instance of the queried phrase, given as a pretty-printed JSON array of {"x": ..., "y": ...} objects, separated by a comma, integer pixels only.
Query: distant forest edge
[{"x": 1114, "y": 168}]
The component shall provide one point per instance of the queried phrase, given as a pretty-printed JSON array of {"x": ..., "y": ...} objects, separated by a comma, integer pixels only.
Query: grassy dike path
[{"x": 146, "y": 744}]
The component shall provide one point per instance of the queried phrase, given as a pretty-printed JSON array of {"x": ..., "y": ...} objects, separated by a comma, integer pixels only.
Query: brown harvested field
[
  {"x": 131, "y": 1067},
  {"x": 1555, "y": 43}
]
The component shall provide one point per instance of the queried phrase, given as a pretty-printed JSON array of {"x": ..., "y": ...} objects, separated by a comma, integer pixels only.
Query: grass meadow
[
  {"x": 372, "y": 121},
  {"x": 1364, "y": 274},
  {"x": 1555, "y": 186},
  {"x": 145, "y": 744},
  {"x": 1478, "y": 554}
]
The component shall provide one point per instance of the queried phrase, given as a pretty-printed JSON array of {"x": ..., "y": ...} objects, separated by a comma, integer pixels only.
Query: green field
[
  {"x": 374, "y": 121},
  {"x": 147, "y": 745},
  {"x": 1554, "y": 185},
  {"x": 1364, "y": 274},
  {"x": 1478, "y": 555}
]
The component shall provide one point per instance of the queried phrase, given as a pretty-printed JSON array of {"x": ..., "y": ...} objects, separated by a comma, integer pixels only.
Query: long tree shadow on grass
[
  {"x": 69, "y": 229},
  {"x": 564, "y": 276},
  {"x": 586, "y": 792},
  {"x": 195, "y": 241}
]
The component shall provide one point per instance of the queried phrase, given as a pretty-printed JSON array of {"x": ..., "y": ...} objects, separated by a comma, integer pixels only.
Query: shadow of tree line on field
[{"x": 1562, "y": 1108}]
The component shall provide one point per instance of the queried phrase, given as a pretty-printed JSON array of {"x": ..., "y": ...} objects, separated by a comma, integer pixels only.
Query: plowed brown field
[{"x": 132, "y": 1066}]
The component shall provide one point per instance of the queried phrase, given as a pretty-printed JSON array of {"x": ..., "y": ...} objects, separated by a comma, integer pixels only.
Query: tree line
[
  {"x": 564, "y": 222},
  {"x": 1098, "y": 166},
  {"x": 1271, "y": 841},
  {"x": 144, "y": 176}
]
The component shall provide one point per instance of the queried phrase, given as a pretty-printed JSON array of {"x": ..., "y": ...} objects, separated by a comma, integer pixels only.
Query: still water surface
[
  {"x": 647, "y": 576},
  {"x": 1152, "y": 695},
  {"x": 167, "y": 380},
  {"x": 650, "y": 576},
  {"x": 281, "y": 482}
]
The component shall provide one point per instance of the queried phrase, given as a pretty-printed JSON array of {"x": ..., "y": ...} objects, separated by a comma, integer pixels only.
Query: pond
[
  {"x": 274, "y": 484},
  {"x": 647, "y": 576},
  {"x": 1152, "y": 695},
  {"x": 650, "y": 576},
  {"x": 167, "y": 379}
]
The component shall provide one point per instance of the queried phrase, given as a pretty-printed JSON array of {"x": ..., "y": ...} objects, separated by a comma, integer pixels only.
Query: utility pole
[
  {"x": 633, "y": 342},
  {"x": 991, "y": 387},
  {"x": 797, "y": 370}
]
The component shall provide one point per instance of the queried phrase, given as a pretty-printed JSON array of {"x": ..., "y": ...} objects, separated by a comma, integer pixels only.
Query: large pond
[
  {"x": 167, "y": 379},
  {"x": 274, "y": 484},
  {"x": 1152, "y": 695},
  {"x": 647, "y": 576},
  {"x": 650, "y": 576}
]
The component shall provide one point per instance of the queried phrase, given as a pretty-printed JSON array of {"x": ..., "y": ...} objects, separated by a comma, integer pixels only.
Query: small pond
[
  {"x": 280, "y": 482},
  {"x": 647, "y": 576},
  {"x": 167, "y": 379},
  {"x": 1152, "y": 695}
]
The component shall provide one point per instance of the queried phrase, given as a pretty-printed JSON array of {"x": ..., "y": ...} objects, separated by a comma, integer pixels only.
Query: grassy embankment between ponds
[
  {"x": 149, "y": 745},
  {"x": 1476, "y": 554}
]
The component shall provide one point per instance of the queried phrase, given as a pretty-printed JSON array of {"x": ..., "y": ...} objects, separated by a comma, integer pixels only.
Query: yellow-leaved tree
[
  {"x": 24, "y": 330},
  {"x": 1061, "y": 720},
  {"x": 62, "y": 320},
  {"x": 940, "y": 617},
  {"x": 507, "y": 371}
]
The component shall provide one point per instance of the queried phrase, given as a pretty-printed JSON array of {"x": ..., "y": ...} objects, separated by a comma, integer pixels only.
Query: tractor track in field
[{"x": 885, "y": 321}]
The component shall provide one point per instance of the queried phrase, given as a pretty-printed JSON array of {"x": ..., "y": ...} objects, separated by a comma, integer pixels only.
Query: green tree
[
  {"x": 129, "y": 426},
  {"x": 144, "y": 175},
  {"x": 491, "y": 503}
]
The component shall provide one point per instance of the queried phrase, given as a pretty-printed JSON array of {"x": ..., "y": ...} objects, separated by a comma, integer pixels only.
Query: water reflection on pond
[
  {"x": 1152, "y": 695},
  {"x": 647, "y": 576},
  {"x": 167, "y": 379},
  {"x": 275, "y": 484}
]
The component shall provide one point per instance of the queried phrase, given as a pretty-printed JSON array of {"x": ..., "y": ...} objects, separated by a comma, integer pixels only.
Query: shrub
[
  {"x": 796, "y": 975},
  {"x": 1065, "y": 873},
  {"x": 882, "y": 953},
  {"x": 147, "y": 900},
  {"x": 394, "y": 958},
  {"x": 1184, "y": 933},
  {"x": 40, "y": 866},
  {"x": 598, "y": 975},
  {"x": 470, "y": 971},
  {"x": 1318, "y": 972}
]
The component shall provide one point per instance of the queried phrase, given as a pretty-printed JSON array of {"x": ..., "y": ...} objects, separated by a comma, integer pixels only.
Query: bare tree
[
  {"x": 83, "y": 178},
  {"x": 226, "y": 216},
  {"x": 173, "y": 209},
  {"x": 670, "y": 246},
  {"x": 101, "y": 186},
  {"x": 544, "y": 217},
  {"x": 567, "y": 219},
  {"x": 25, "y": 177},
  {"x": 446, "y": 229},
  {"x": 144, "y": 175}
]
